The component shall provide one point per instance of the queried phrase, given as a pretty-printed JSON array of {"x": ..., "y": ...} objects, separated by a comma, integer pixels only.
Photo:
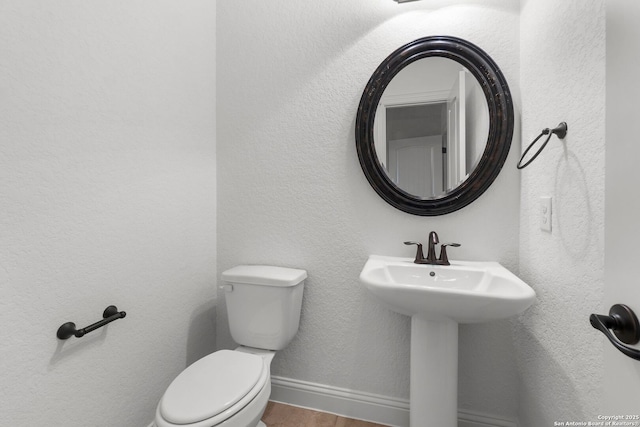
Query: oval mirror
[{"x": 434, "y": 125}]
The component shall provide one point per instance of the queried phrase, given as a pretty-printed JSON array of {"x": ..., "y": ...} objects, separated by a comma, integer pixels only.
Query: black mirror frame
[{"x": 501, "y": 122}]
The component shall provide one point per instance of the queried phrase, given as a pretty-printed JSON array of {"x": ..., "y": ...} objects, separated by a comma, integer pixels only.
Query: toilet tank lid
[{"x": 267, "y": 275}]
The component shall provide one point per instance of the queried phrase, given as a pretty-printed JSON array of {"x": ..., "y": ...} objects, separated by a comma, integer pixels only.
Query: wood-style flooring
[{"x": 281, "y": 415}]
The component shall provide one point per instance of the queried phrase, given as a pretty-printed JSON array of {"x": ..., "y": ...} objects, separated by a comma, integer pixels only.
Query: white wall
[
  {"x": 477, "y": 124},
  {"x": 108, "y": 195},
  {"x": 622, "y": 228},
  {"x": 562, "y": 73},
  {"x": 108, "y": 189},
  {"x": 291, "y": 191}
]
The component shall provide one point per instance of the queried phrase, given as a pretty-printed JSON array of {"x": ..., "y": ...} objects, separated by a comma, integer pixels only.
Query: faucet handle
[
  {"x": 419, "y": 253},
  {"x": 444, "y": 259}
]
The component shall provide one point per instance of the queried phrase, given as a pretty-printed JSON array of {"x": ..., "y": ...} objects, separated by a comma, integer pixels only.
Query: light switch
[{"x": 545, "y": 213}]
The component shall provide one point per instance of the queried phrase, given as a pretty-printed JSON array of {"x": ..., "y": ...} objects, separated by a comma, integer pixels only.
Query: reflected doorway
[{"x": 417, "y": 148}]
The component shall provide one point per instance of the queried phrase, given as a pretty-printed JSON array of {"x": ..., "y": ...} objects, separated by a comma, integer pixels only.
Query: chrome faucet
[{"x": 443, "y": 259}]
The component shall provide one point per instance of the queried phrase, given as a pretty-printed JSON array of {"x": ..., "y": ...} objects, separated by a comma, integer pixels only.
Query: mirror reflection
[{"x": 431, "y": 127}]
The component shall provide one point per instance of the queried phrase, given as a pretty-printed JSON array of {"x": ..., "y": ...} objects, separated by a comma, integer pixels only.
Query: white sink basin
[
  {"x": 438, "y": 298},
  {"x": 465, "y": 291}
]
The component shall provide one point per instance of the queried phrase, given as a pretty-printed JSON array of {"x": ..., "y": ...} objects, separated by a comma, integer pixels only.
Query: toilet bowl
[{"x": 231, "y": 388}]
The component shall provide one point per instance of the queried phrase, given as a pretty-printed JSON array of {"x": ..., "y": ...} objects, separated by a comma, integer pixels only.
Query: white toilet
[{"x": 231, "y": 388}]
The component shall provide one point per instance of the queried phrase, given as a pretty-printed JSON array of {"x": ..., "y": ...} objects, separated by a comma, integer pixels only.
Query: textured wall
[
  {"x": 622, "y": 210},
  {"x": 563, "y": 79},
  {"x": 291, "y": 191},
  {"x": 107, "y": 188}
]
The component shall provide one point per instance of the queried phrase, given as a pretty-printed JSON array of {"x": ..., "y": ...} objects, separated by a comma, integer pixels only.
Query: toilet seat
[{"x": 212, "y": 390}]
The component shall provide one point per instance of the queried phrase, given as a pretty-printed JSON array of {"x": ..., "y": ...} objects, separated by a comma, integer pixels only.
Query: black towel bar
[{"x": 68, "y": 329}]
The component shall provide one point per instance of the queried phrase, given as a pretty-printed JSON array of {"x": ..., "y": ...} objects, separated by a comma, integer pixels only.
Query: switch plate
[{"x": 545, "y": 213}]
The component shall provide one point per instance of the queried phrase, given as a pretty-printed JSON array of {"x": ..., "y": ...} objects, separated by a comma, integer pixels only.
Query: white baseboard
[
  {"x": 348, "y": 403},
  {"x": 468, "y": 418},
  {"x": 363, "y": 406}
]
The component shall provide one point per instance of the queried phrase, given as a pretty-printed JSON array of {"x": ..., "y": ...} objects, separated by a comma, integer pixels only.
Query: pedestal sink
[{"x": 438, "y": 298}]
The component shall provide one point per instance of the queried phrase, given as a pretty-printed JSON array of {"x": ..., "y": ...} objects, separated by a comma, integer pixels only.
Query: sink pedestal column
[{"x": 434, "y": 373}]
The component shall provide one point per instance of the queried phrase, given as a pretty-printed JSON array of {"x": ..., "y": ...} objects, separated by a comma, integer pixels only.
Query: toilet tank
[{"x": 263, "y": 304}]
